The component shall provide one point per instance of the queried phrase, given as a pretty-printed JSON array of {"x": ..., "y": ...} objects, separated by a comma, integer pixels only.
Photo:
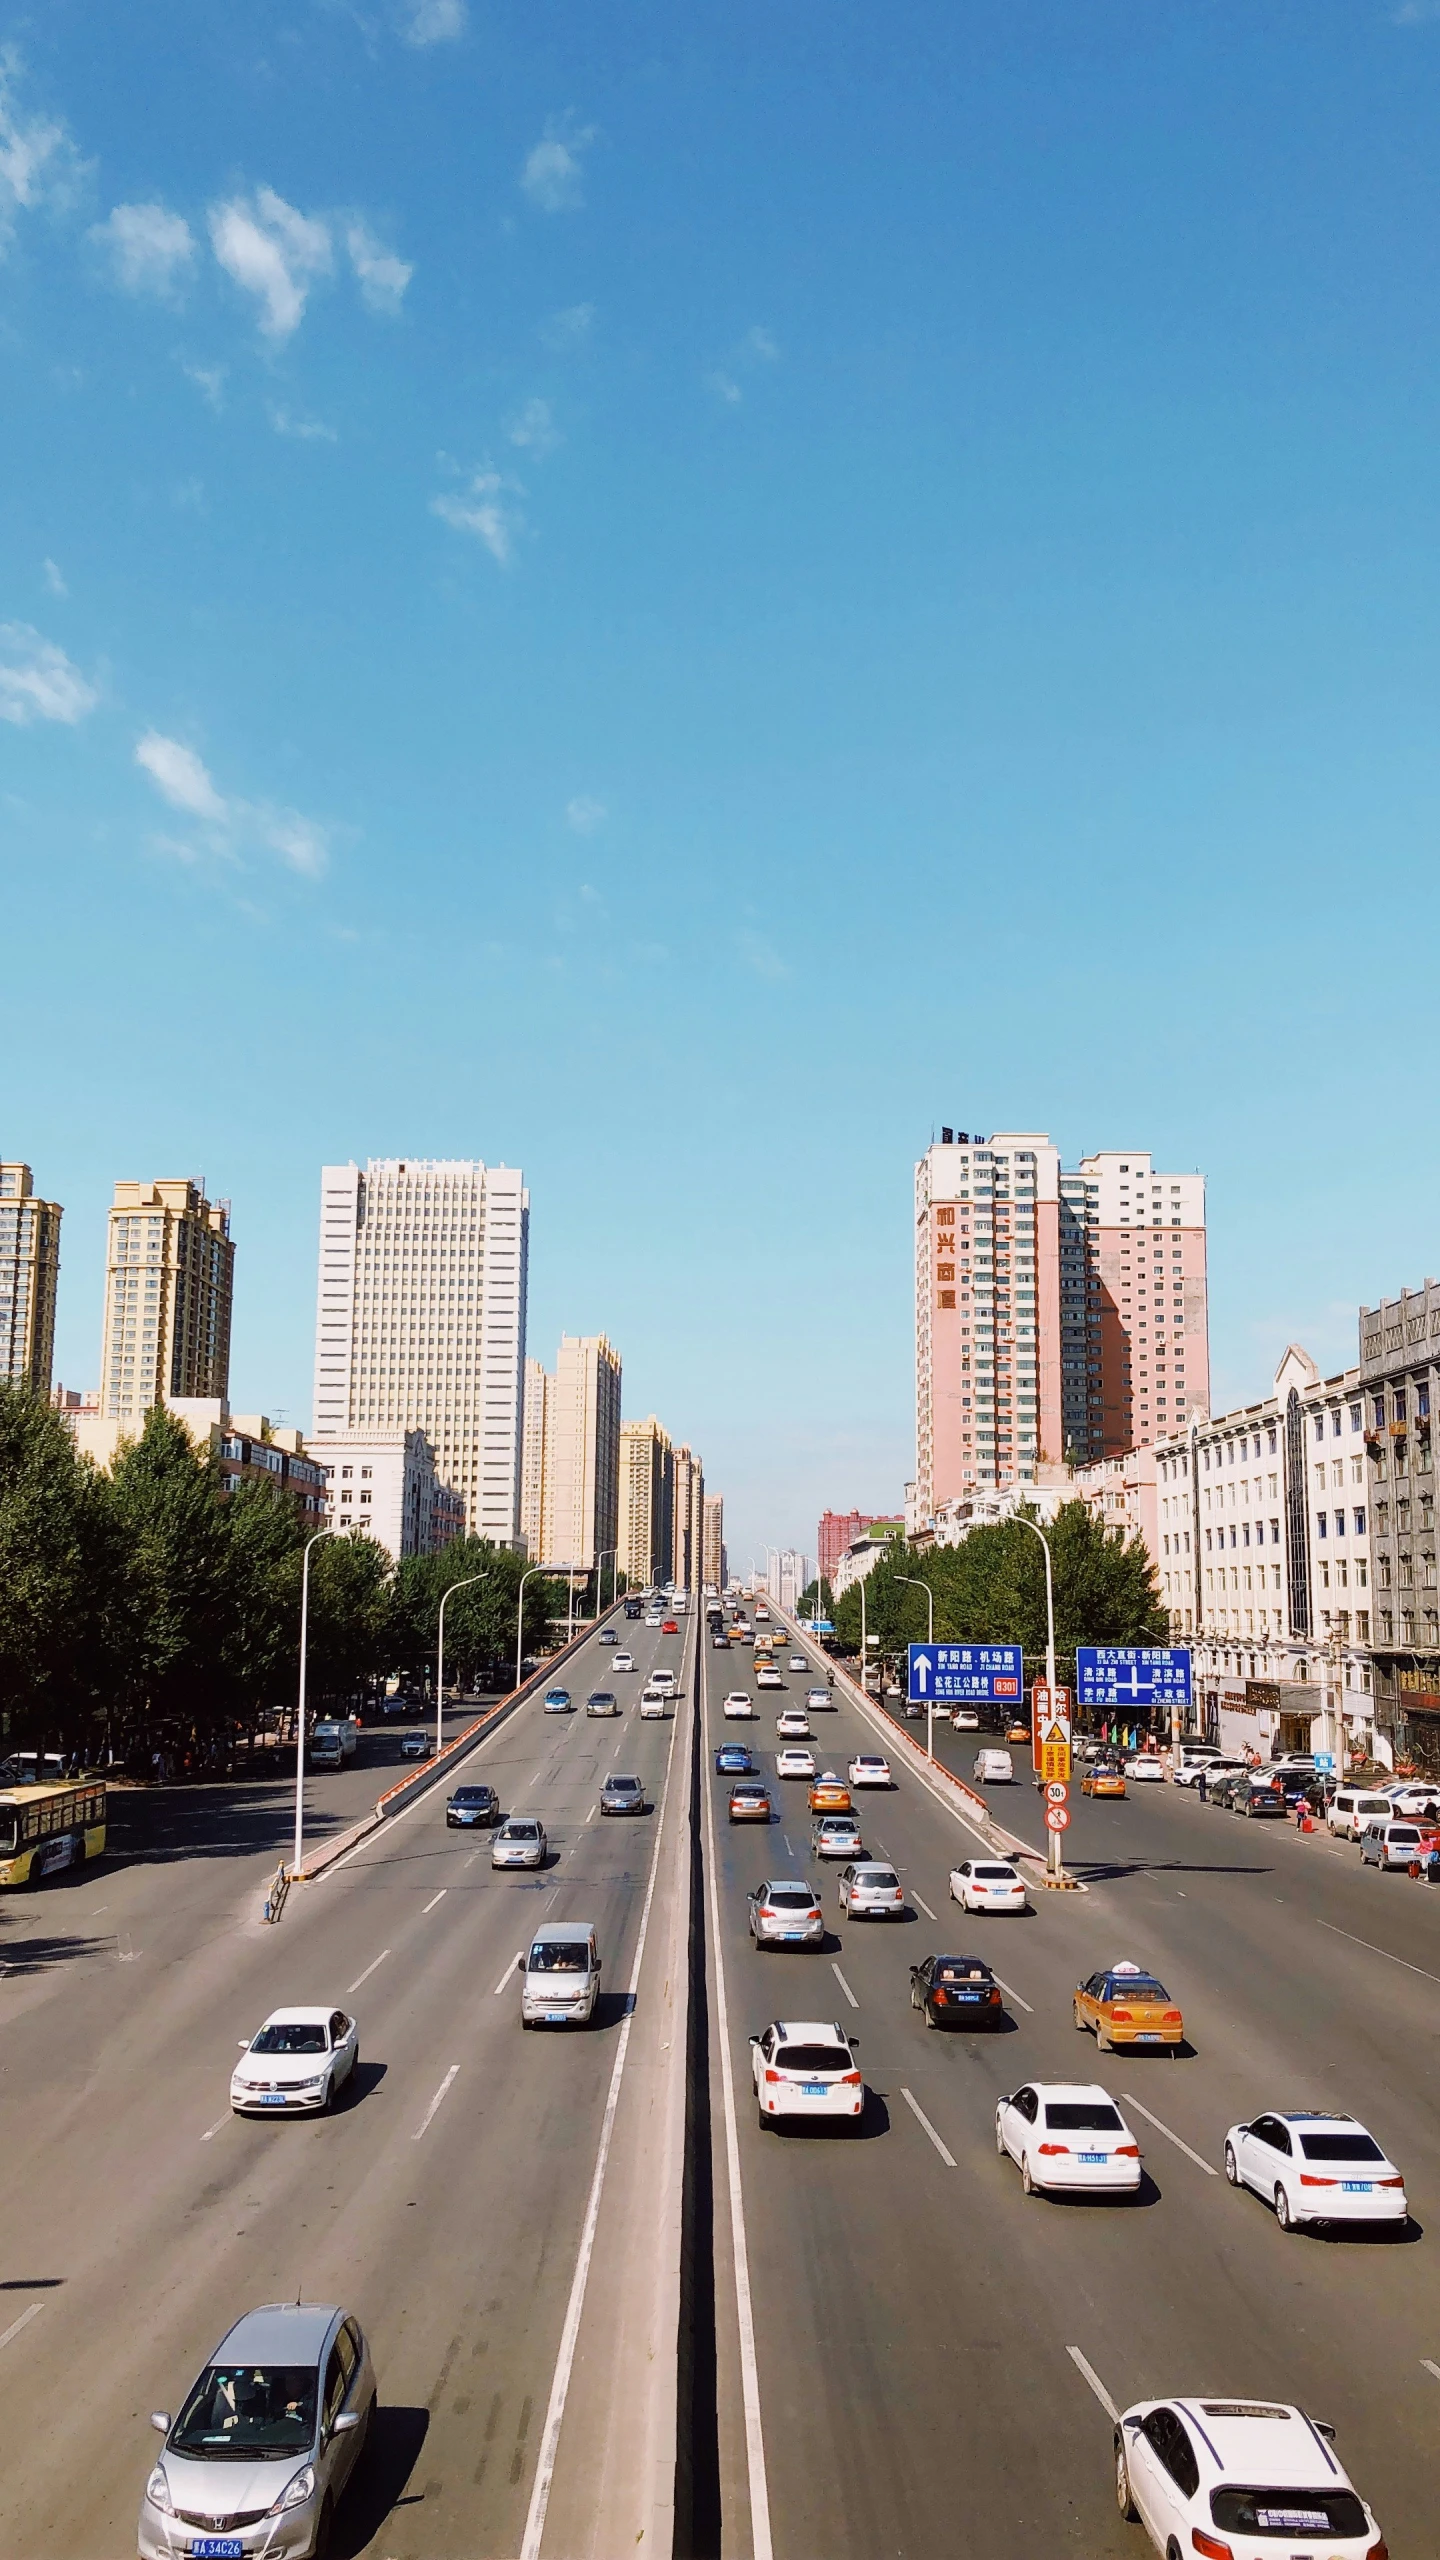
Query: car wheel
[
  {"x": 930, "y": 2018},
  {"x": 1103, "y": 2043},
  {"x": 1232, "y": 2165},
  {"x": 1283, "y": 2214},
  {"x": 1026, "y": 2181},
  {"x": 1172, "y": 2549},
  {"x": 1123, "y": 2499},
  {"x": 1079, "y": 2021},
  {"x": 999, "y": 2139}
]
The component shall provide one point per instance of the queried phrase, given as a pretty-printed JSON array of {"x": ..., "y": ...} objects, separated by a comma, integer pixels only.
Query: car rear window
[
  {"x": 997, "y": 1875},
  {"x": 522, "y": 1830},
  {"x": 1135, "y": 1986},
  {"x": 813, "y": 2057},
  {"x": 791, "y": 1897},
  {"x": 1336, "y": 2513},
  {"x": 1402, "y": 1832},
  {"x": 1082, "y": 2115},
  {"x": 884, "y": 1879},
  {"x": 1340, "y": 2146},
  {"x": 625, "y": 1786},
  {"x": 960, "y": 1969}
]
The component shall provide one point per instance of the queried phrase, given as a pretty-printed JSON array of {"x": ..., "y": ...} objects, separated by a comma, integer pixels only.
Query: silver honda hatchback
[{"x": 258, "y": 2458}]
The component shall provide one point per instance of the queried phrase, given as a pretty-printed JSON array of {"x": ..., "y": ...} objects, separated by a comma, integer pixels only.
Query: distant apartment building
[
  {"x": 1058, "y": 1315},
  {"x": 647, "y": 1503},
  {"x": 384, "y": 1483},
  {"x": 247, "y": 1447},
  {"x": 570, "y": 1488},
  {"x": 716, "y": 1567},
  {"x": 535, "y": 1427},
  {"x": 837, "y": 1531},
  {"x": 169, "y": 1290},
  {"x": 789, "y": 1578},
  {"x": 29, "y": 1273},
  {"x": 688, "y": 1541},
  {"x": 861, "y": 1553},
  {"x": 1400, "y": 1391},
  {"x": 420, "y": 1322}
]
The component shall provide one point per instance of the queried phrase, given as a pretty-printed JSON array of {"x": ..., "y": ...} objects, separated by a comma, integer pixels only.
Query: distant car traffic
[
  {"x": 670, "y": 1627},
  {"x": 795, "y": 1764},
  {"x": 297, "y": 2064},
  {"x": 987, "y": 1884},
  {"x": 1395, "y": 1842},
  {"x": 750, "y": 1801},
  {"x": 1102, "y": 1778},
  {"x": 784, "y": 1913},
  {"x": 798, "y": 1662},
  {"x": 956, "y": 1991},
  {"x": 471, "y": 1806},
  {"x": 732, "y": 1760},
  {"x": 739, "y": 1703},
  {"x": 622, "y": 1662},
  {"x": 1316, "y": 2168},
  {"x": 767, "y": 1677},
  {"x": 609, "y": 1635},
  {"x": 836, "y": 1835},
  {"x": 793, "y": 1724},
  {"x": 804, "y": 2070},
  {"x": 561, "y": 1976},
  {"x": 602, "y": 1702},
  {"x": 828, "y": 1794},
  {"x": 964, "y": 1720},
  {"x": 1125, "y": 2005},
  {"x": 1068, "y": 2136},
  {"x": 1145, "y": 1769},
  {"x": 817, "y": 1700},
  {"x": 417, "y": 1746},
  {"x": 994, "y": 1769}
]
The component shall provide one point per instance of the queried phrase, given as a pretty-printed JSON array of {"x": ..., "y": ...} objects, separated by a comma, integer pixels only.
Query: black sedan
[
  {"x": 472, "y": 1807},
  {"x": 956, "y": 1991}
]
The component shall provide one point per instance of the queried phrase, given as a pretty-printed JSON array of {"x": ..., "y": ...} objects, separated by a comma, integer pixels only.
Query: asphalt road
[
  {"x": 138, "y": 2218},
  {"x": 917, "y": 2325}
]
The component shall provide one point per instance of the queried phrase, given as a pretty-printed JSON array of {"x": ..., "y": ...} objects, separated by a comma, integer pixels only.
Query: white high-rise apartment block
[
  {"x": 571, "y": 1486},
  {"x": 538, "y": 1383},
  {"x": 421, "y": 1319}
]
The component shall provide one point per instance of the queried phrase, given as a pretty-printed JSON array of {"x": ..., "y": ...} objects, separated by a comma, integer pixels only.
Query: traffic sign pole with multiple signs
[{"x": 1050, "y": 1743}]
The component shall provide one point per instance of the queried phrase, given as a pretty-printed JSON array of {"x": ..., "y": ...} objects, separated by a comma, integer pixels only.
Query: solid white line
[
  {"x": 1093, "y": 2378},
  {"x": 1015, "y": 1996},
  {"x": 1376, "y": 1951},
  {"x": 1169, "y": 2136},
  {"x": 926, "y": 2126},
  {"x": 845, "y": 1987},
  {"x": 1425, "y": 2360},
  {"x": 430, "y": 2113},
  {"x": 570, "y": 2334},
  {"x": 22, "y": 2323},
  {"x": 509, "y": 1974},
  {"x": 924, "y": 1906},
  {"x": 365, "y": 1976},
  {"x": 761, "y": 2543},
  {"x": 217, "y": 2127},
  {"x": 434, "y": 1898}
]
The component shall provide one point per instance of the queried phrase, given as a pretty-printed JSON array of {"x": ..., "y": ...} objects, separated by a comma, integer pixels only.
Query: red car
[{"x": 669, "y": 1626}]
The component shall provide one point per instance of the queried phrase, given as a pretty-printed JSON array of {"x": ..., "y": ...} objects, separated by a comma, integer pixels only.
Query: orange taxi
[
  {"x": 1103, "y": 1781},
  {"x": 1018, "y": 1733},
  {"x": 1125, "y": 2005},
  {"x": 829, "y": 1794}
]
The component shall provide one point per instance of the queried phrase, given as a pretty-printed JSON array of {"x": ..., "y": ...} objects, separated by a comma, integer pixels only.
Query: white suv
[{"x": 1243, "y": 2476}]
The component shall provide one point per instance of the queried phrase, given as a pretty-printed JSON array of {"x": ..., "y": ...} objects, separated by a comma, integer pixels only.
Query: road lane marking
[
  {"x": 22, "y": 2323},
  {"x": 1096, "y": 2385},
  {"x": 509, "y": 1973},
  {"x": 1376, "y": 1951},
  {"x": 434, "y": 1898},
  {"x": 924, "y": 1906},
  {"x": 432, "y": 2110},
  {"x": 217, "y": 2127},
  {"x": 1169, "y": 2136},
  {"x": 590, "y": 1816},
  {"x": 926, "y": 2126},
  {"x": 1015, "y": 1996},
  {"x": 365, "y": 1976},
  {"x": 1425, "y": 2360},
  {"x": 845, "y": 1987}
]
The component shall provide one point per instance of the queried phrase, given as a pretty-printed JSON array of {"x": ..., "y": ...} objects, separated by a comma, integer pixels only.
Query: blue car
[
  {"x": 558, "y": 1702},
  {"x": 732, "y": 1760}
]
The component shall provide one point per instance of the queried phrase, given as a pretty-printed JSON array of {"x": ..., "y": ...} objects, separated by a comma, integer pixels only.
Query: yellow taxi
[
  {"x": 830, "y": 1795},
  {"x": 1103, "y": 1781},
  {"x": 1018, "y": 1733},
  {"x": 1125, "y": 2005}
]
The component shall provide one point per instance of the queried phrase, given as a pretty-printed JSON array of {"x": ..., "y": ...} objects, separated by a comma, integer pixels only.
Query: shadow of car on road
[{"x": 380, "y": 2479}]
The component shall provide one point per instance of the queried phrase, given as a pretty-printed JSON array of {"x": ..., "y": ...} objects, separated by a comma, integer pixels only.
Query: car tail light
[
  {"x": 940, "y": 1998},
  {"x": 1054, "y": 2150},
  {"x": 1307, "y": 2181},
  {"x": 1172, "y": 2018},
  {"x": 1389, "y": 2182},
  {"x": 1126, "y": 2151},
  {"x": 1206, "y": 2543},
  {"x": 1122, "y": 2017},
  {"x": 1378, "y": 2551},
  {"x": 774, "y": 2077},
  {"x": 852, "y": 2080}
]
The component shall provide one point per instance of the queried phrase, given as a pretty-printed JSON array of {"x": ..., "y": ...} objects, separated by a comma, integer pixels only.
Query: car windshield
[
  {"x": 623, "y": 1786},
  {"x": 559, "y": 1955},
  {"x": 601, "y": 1698},
  {"x": 1336, "y": 2513},
  {"x": 1135, "y": 1986},
  {"x": 471, "y": 1795},
  {"x": 291, "y": 2037},
  {"x": 813, "y": 2057},
  {"x": 241, "y": 2412},
  {"x": 521, "y": 1831},
  {"x": 790, "y": 1897},
  {"x": 1340, "y": 2146},
  {"x": 1082, "y": 2115}
]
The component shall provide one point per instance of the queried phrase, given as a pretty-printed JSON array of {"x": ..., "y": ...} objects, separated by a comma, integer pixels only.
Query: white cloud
[
  {"x": 209, "y": 381},
  {"x": 533, "y": 428},
  {"x": 761, "y": 956},
  {"x": 39, "y": 165},
  {"x": 585, "y": 814},
  {"x": 382, "y": 277},
  {"x": 566, "y": 330},
  {"x": 273, "y": 252},
  {"x": 725, "y": 387},
  {"x": 55, "y": 579},
  {"x": 149, "y": 248},
  {"x": 234, "y": 826},
  {"x": 554, "y": 175},
  {"x": 434, "y": 21},
  {"x": 304, "y": 430},
  {"x": 38, "y": 681},
  {"x": 485, "y": 509},
  {"x": 760, "y": 344}
]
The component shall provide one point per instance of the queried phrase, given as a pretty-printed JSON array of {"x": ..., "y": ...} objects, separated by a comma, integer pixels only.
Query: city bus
[{"x": 48, "y": 1826}]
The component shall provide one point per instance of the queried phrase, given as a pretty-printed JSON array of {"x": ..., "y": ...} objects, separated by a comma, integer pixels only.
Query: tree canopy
[{"x": 991, "y": 1588}]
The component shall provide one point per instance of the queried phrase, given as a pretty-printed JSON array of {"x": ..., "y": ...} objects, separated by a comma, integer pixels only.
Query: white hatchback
[
  {"x": 818, "y": 1699},
  {"x": 871, "y": 1891},
  {"x": 1316, "y": 2168},
  {"x": 767, "y": 1677},
  {"x": 1251, "y": 2478},
  {"x": 520, "y": 1842},
  {"x": 805, "y": 2069},
  {"x": 1068, "y": 2135},
  {"x": 987, "y": 1884},
  {"x": 869, "y": 1769},
  {"x": 964, "y": 1720},
  {"x": 798, "y": 1662},
  {"x": 739, "y": 1703}
]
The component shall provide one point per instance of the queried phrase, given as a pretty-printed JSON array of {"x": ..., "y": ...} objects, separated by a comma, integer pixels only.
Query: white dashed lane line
[
  {"x": 1169, "y": 2136},
  {"x": 432, "y": 2110},
  {"x": 845, "y": 1987},
  {"x": 1093, "y": 2378},
  {"x": 508, "y": 1975},
  {"x": 434, "y": 1898},
  {"x": 922, "y": 1905},
  {"x": 23, "y": 2322},
  {"x": 1015, "y": 1996},
  {"x": 1376, "y": 1951},
  {"x": 926, "y": 2126}
]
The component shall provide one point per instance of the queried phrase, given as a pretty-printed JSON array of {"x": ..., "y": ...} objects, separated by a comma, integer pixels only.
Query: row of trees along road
[
  {"x": 148, "y": 1608},
  {"x": 991, "y": 1590}
]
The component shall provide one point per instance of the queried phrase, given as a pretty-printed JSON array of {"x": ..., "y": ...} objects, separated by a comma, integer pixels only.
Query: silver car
[
  {"x": 784, "y": 1913},
  {"x": 602, "y": 1702},
  {"x": 520, "y": 1842},
  {"x": 623, "y": 1795},
  {"x": 836, "y": 1835},
  {"x": 259, "y": 2456},
  {"x": 870, "y": 1891}
]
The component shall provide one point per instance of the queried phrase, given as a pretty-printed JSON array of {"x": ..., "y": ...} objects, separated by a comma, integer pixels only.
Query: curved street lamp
[
  {"x": 331, "y": 1532},
  {"x": 447, "y": 1594}
]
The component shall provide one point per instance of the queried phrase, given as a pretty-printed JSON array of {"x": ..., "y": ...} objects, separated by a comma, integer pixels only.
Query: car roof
[
  {"x": 810, "y": 2030},
  {"x": 568, "y": 1933},
  {"x": 301, "y": 2017},
  {"x": 874, "y": 1866},
  {"x": 775, "y": 1884},
  {"x": 1087, "y": 2090},
  {"x": 279, "y": 2333},
  {"x": 618, "y": 1779},
  {"x": 1266, "y": 2440},
  {"x": 1319, "y": 2115}
]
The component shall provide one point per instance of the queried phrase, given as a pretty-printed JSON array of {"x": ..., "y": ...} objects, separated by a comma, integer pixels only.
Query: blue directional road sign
[
  {"x": 1132, "y": 1675},
  {"x": 962, "y": 1674}
]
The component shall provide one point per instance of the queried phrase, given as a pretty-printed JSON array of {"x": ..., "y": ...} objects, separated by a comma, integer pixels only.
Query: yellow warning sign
[{"x": 1054, "y": 1761}]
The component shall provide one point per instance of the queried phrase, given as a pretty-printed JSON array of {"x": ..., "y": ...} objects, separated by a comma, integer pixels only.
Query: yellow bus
[{"x": 48, "y": 1826}]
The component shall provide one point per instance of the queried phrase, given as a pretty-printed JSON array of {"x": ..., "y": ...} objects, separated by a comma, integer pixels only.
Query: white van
[
  {"x": 994, "y": 1769},
  {"x": 561, "y": 1976},
  {"x": 1352, "y": 1807}
]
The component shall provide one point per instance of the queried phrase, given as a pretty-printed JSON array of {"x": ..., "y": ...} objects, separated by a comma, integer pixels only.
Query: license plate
[
  {"x": 217, "y": 2546},
  {"x": 970, "y": 1995},
  {"x": 1148, "y": 2035},
  {"x": 1356, "y": 2187},
  {"x": 814, "y": 2089},
  {"x": 274, "y": 2098},
  {"x": 792, "y": 1934},
  {"x": 1092, "y": 2159},
  {"x": 555, "y": 2017}
]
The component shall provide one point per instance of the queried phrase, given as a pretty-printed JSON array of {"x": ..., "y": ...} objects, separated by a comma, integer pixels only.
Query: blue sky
[{"x": 677, "y": 597}]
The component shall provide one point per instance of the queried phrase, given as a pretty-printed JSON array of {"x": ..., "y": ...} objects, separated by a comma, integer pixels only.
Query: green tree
[
  {"x": 56, "y": 1575},
  {"x": 264, "y": 1536},
  {"x": 991, "y": 1588},
  {"x": 173, "y": 1612}
]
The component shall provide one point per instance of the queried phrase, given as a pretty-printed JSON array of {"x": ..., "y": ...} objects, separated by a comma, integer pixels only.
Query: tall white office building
[{"x": 420, "y": 1323}]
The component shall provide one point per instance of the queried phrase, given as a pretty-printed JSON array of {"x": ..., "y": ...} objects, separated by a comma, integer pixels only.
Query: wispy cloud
[
  {"x": 554, "y": 173},
  {"x": 761, "y": 956},
  {"x": 566, "y": 330},
  {"x": 209, "y": 381},
  {"x": 584, "y": 814},
  {"x": 149, "y": 249},
  {"x": 381, "y": 276},
  {"x": 273, "y": 252},
  {"x": 55, "y": 578},
  {"x": 38, "y": 681},
  {"x": 725, "y": 387},
  {"x": 425, "y": 22},
  {"x": 486, "y": 508},
  {"x": 758, "y": 347},
  {"x": 1416, "y": 13},
  {"x": 533, "y": 428},
  {"x": 233, "y": 827},
  {"x": 303, "y": 430},
  {"x": 40, "y": 168}
]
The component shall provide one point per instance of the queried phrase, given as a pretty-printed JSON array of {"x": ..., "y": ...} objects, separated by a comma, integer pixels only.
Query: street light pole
[
  {"x": 612, "y": 1553},
  {"x": 1054, "y": 1859},
  {"x": 915, "y": 1584},
  {"x": 447, "y": 1594},
  {"x": 520, "y": 1610},
  {"x": 300, "y": 1722}
]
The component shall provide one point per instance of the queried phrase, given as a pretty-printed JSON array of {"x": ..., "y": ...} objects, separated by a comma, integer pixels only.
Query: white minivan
[
  {"x": 994, "y": 1769},
  {"x": 561, "y": 1976},
  {"x": 1352, "y": 1807}
]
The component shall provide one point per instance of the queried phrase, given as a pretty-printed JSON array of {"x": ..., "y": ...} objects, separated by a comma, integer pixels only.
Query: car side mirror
[
  {"x": 244, "y": 2043},
  {"x": 598, "y": 1964},
  {"x": 1321, "y": 2429},
  {"x": 160, "y": 2421},
  {"x": 346, "y": 2423},
  {"x": 519, "y": 1964},
  {"x": 754, "y": 2039}
]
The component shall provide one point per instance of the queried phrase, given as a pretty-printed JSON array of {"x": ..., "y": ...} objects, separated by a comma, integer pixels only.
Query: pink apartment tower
[{"x": 1058, "y": 1316}]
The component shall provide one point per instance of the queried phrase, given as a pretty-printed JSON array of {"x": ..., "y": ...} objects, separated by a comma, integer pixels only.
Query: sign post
[{"x": 1050, "y": 1743}]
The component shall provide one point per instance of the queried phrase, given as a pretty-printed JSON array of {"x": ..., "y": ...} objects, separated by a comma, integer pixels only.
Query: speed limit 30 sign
[{"x": 1055, "y": 1793}]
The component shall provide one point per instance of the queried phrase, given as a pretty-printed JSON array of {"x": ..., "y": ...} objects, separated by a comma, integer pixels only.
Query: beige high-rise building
[
  {"x": 715, "y": 1540},
  {"x": 29, "y": 1270},
  {"x": 421, "y": 1319},
  {"x": 688, "y": 1543},
  {"x": 579, "y": 1493},
  {"x": 169, "y": 1288},
  {"x": 536, "y": 1425},
  {"x": 647, "y": 1503}
]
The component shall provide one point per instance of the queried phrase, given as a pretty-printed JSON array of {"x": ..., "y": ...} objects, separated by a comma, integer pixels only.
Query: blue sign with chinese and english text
[
  {"x": 963, "y": 1674},
  {"x": 1132, "y": 1675}
]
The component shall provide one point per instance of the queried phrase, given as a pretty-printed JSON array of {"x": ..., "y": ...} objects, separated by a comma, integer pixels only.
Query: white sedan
[
  {"x": 767, "y": 1677},
  {"x": 793, "y": 1725},
  {"x": 1316, "y": 2168},
  {"x": 964, "y": 1720},
  {"x": 739, "y": 1703},
  {"x": 622, "y": 1662},
  {"x": 1068, "y": 2135},
  {"x": 794, "y": 1764},
  {"x": 297, "y": 2064},
  {"x": 805, "y": 2068},
  {"x": 1246, "y": 2477},
  {"x": 798, "y": 1662},
  {"x": 987, "y": 1884},
  {"x": 1145, "y": 1769},
  {"x": 869, "y": 1769},
  {"x": 818, "y": 1699}
]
